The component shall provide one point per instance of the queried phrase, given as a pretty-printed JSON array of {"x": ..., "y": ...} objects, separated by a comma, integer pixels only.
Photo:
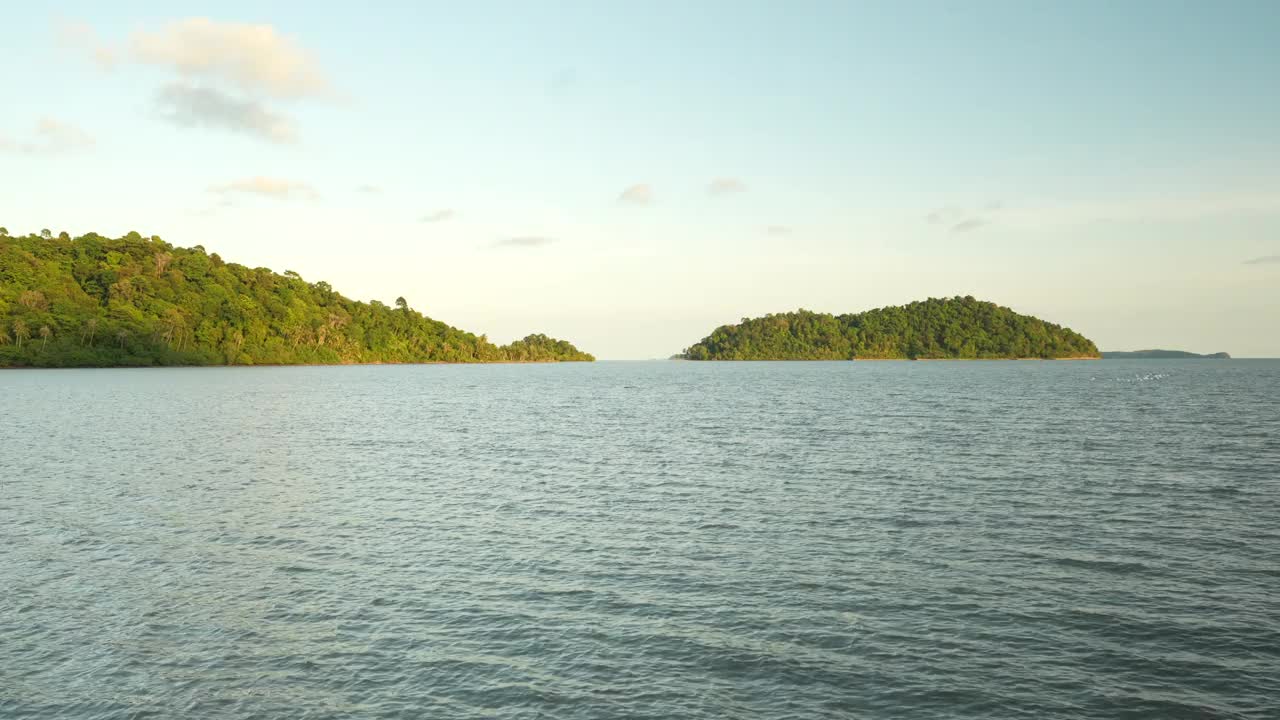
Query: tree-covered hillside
[
  {"x": 96, "y": 301},
  {"x": 951, "y": 328}
]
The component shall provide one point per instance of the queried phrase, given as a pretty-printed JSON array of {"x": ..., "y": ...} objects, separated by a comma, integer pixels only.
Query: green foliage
[
  {"x": 94, "y": 301},
  {"x": 949, "y": 328},
  {"x": 540, "y": 348}
]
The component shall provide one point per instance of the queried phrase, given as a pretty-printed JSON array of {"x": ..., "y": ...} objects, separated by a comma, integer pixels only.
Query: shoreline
[
  {"x": 284, "y": 365},
  {"x": 878, "y": 359},
  {"x": 1074, "y": 357}
]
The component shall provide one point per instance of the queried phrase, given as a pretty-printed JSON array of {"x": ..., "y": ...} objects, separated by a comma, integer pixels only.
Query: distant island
[
  {"x": 959, "y": 328},
  {"x": 134, "y": 301},
  {"x": 1161, "y": 355}
]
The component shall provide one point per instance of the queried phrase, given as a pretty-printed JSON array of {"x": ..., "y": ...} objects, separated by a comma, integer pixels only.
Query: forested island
[
  {"x": 934, "y": 329},
  {"x": 94, "y": 301},
  {"x": 1161, "y": 355}
]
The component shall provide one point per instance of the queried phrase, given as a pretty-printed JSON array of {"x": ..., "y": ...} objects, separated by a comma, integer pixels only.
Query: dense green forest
[
  {"x": 950, "y": 328},
  {"x": 134, "y": 301}
]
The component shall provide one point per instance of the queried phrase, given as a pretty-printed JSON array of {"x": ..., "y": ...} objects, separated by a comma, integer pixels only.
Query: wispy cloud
[
  {"x": 523, "y": 241},
  {"x": 369, "y": 189},
  {"x": 214, "y": 209},
  {"x": 963, "y": 220},
  {"x": 255, "y": 58},
  {"x": 191, "y": 106},
  {"x": 1152, "y": 208},
  {"x": 223, "y": 74},
  {"x": 268, "y": 187},
  {"x": 1145, "y": 208},
  {"x": 49, "y": 137},
  {"x": 640, "y": 194},
  {"x": 81, "y": 37},
  {"x": 778, "y": 230},
  {"x": 726, "y": 186},
  {"x": 439, "y": 216},
  {"x": 1264, "y": 260},
  {"x": 58, "y": 136},
  {"x": 938, "y": 216}
]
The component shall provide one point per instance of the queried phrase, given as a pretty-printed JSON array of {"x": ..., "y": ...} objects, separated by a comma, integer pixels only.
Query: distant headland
[
  {"x": 958, "y": 328},
  {"x": 134, "y": 301},
  {"x": 1161, "y": 355}
]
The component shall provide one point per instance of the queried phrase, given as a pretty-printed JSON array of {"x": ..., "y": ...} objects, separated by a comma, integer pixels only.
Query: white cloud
[
  {"x": 438, "y": 216},
  {"x": 49, "y": 137},
  {"x": 222, "y": 73},
  {"x": 524, "y": 241},
  {"x": 778, "y": 230},
  {"x": 254, "y": 58},
  {"x": 1264, "y": 260},
  {"x": 268, "y": 187},
  {"x": 640, "y": 194},
  {"x": 369, "y": 189},
  {"x": 726, "y": 186},
  {"x": 191, "y": 106}
]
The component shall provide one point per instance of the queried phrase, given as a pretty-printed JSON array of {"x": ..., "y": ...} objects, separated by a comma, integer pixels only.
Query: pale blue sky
[{"x": 1109, "y": 166}]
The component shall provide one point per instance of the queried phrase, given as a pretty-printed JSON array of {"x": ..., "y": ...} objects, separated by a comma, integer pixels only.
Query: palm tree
[
  {"x": 33, "y": 299},
  {"x": 20, "y": 331},
  {"x": 90, "y": 327},
  {"x": 122, "y": 335},
  {"x": 45, "y": 332},
  {"x": 4, "y": 334}
]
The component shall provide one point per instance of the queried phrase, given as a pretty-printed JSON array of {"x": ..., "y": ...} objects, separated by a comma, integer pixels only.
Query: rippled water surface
[{"x": 643, "y": 540}]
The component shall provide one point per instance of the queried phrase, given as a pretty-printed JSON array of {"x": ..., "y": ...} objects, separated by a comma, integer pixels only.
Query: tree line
[
  {"x": 937, "y": 328},
  {"x": 94, "y": 301}
]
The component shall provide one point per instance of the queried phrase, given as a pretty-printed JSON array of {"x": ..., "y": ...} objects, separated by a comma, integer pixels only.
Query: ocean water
[{"x": 643, "y": 540}]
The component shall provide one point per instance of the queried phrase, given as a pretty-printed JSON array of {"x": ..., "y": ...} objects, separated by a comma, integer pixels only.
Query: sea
[{"x": 665, "y": 540}]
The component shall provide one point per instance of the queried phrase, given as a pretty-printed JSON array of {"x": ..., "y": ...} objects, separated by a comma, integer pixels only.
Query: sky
[{"x": 629, "y": 176}]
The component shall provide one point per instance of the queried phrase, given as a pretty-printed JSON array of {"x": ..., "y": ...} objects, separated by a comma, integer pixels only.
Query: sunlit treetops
[
  {"x": 94, "y": 301},
  {"x": 948, "y": 328}
]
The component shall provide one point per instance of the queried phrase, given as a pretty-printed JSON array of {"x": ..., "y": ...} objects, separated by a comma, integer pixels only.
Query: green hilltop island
[
  {"x": 1161, "y": 355},
  {"x": 134, "y": 301},
  {"x": 959, "y": 328}
]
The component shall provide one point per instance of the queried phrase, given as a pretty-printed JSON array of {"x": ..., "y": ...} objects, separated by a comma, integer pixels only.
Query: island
[
  {"x": 94, "y": 301},
  {"x": 958, "y": 328},
  {"x": 1161, "y": 355}
]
